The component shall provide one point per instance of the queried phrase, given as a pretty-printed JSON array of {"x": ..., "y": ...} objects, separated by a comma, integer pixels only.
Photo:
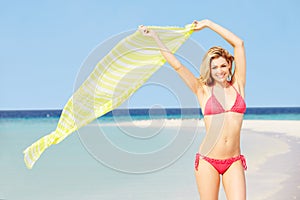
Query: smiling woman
[
  {"x": 219, "y": 60},
  {"x": 219, "y": 154}
]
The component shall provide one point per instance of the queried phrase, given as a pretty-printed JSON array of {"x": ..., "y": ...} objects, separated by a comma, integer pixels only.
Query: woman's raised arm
[
  {"x": 184, "y": 73},
  {"x": 236, "y": 43}
]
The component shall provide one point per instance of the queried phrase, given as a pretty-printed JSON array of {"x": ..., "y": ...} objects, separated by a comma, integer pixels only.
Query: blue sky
[{"x": 44, "y": 43}]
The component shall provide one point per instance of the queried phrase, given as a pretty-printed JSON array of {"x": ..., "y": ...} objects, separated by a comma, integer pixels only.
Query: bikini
[
  {"x": 220, "y": 165},
  {"x": 214, "y": 107}
]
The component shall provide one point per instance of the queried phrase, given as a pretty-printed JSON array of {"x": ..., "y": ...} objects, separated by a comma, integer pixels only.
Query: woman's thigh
[
  {"x": 234, "y": 182},
  {"x": 208, "y": 181}
]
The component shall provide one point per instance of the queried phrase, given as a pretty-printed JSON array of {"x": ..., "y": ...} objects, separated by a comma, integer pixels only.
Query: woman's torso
[{"x": 223, "y": 116}]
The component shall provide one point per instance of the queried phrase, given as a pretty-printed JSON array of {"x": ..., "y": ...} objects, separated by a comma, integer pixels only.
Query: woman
[{"x": 221, "y": 97}]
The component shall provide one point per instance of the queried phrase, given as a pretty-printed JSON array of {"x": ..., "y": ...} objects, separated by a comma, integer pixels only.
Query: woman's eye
[{"x": 223, "y": 66}]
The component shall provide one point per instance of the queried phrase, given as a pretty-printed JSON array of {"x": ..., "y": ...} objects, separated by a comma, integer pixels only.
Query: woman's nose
[{"x": 219, "y": 70}]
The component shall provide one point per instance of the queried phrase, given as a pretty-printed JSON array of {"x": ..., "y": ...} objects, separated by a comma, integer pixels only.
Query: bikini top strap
[{"x": 234, "y": 87}]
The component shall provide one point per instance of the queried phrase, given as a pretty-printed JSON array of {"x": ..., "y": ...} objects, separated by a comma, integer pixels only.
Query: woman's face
[{"x": 219, "y": 69}]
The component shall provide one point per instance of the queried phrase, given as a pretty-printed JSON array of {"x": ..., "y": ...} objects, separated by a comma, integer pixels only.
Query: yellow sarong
[{"x": 117, "y": 76}]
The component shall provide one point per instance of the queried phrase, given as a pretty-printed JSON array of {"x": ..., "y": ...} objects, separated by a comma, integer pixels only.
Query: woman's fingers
[{"x": 143, "y": 29}]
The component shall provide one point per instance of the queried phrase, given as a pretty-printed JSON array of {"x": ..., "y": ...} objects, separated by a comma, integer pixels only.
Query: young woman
[{"x": 221, "y": 96}]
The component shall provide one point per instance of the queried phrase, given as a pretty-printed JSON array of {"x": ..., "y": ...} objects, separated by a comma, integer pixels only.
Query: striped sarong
[{"x": 116, "y": 76}]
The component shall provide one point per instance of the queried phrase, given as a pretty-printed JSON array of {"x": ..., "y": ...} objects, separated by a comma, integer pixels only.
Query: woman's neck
[{"x": 224, "y": 84}]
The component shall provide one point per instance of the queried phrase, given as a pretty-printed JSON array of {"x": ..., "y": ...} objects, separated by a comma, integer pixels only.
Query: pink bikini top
[{"x": 213, "y": 106}]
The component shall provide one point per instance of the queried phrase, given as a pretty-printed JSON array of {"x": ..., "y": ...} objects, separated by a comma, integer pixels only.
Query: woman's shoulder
[
  {"x": 203, "y": 89},
  {"x": 239, "y": 87}
]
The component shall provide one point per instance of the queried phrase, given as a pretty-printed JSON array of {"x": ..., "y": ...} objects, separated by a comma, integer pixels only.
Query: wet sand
[{"x": 274, "y": 162}]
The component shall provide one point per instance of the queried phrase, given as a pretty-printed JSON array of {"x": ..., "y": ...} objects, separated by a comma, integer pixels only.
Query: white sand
[
  {"x": 263, "y": 143},
  {"x": 272, "y": 147},
  {"x": 288, "y": 127},
  {"x": 155, "y": 123}
]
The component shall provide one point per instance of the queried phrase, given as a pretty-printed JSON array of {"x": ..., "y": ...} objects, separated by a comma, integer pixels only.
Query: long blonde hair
[{"x": 214, "y": 52}]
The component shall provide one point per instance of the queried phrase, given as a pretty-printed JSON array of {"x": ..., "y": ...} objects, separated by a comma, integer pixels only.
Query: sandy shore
[
  {"x": 272, "y": 149},
  {"x": 287, "y": 127},
  {"x": 274, "y": 163}
]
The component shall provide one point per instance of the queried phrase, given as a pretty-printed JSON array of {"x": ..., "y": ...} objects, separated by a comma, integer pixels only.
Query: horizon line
[{"x": 140, "y": 108}]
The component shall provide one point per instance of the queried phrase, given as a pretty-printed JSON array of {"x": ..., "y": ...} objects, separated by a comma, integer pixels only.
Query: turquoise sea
[{"x": 147, "y": 162}]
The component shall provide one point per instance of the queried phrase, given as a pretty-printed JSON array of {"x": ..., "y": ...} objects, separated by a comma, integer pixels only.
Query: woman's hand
[
  {"x": 147, "y": 32},
  {"x": 199, "y": 25}
]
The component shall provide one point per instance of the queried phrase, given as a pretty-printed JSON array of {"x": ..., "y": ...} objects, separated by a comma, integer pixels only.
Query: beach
[
  {"x": 272, "y": 147},
  {"x": 72, "y": 170}
]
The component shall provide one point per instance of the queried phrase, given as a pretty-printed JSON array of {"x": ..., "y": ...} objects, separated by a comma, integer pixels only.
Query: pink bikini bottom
[{"x": 220, "y": 165}]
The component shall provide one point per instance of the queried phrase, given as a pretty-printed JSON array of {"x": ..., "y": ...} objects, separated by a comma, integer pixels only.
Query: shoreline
[
  {"x": 271, "y": 147},
  {"x": 287, "y": 166},
  {"x": 276, "y": 177},
  {"x": 288, "y": 127}
]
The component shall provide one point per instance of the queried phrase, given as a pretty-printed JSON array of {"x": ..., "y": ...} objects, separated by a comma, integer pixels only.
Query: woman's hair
[{"x": 205, "y": 68}]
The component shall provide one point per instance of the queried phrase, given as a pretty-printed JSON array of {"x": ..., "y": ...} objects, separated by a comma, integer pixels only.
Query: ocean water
[
  {"x": 268, "y": 113},
  {"x": 111, "y": 158}
]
